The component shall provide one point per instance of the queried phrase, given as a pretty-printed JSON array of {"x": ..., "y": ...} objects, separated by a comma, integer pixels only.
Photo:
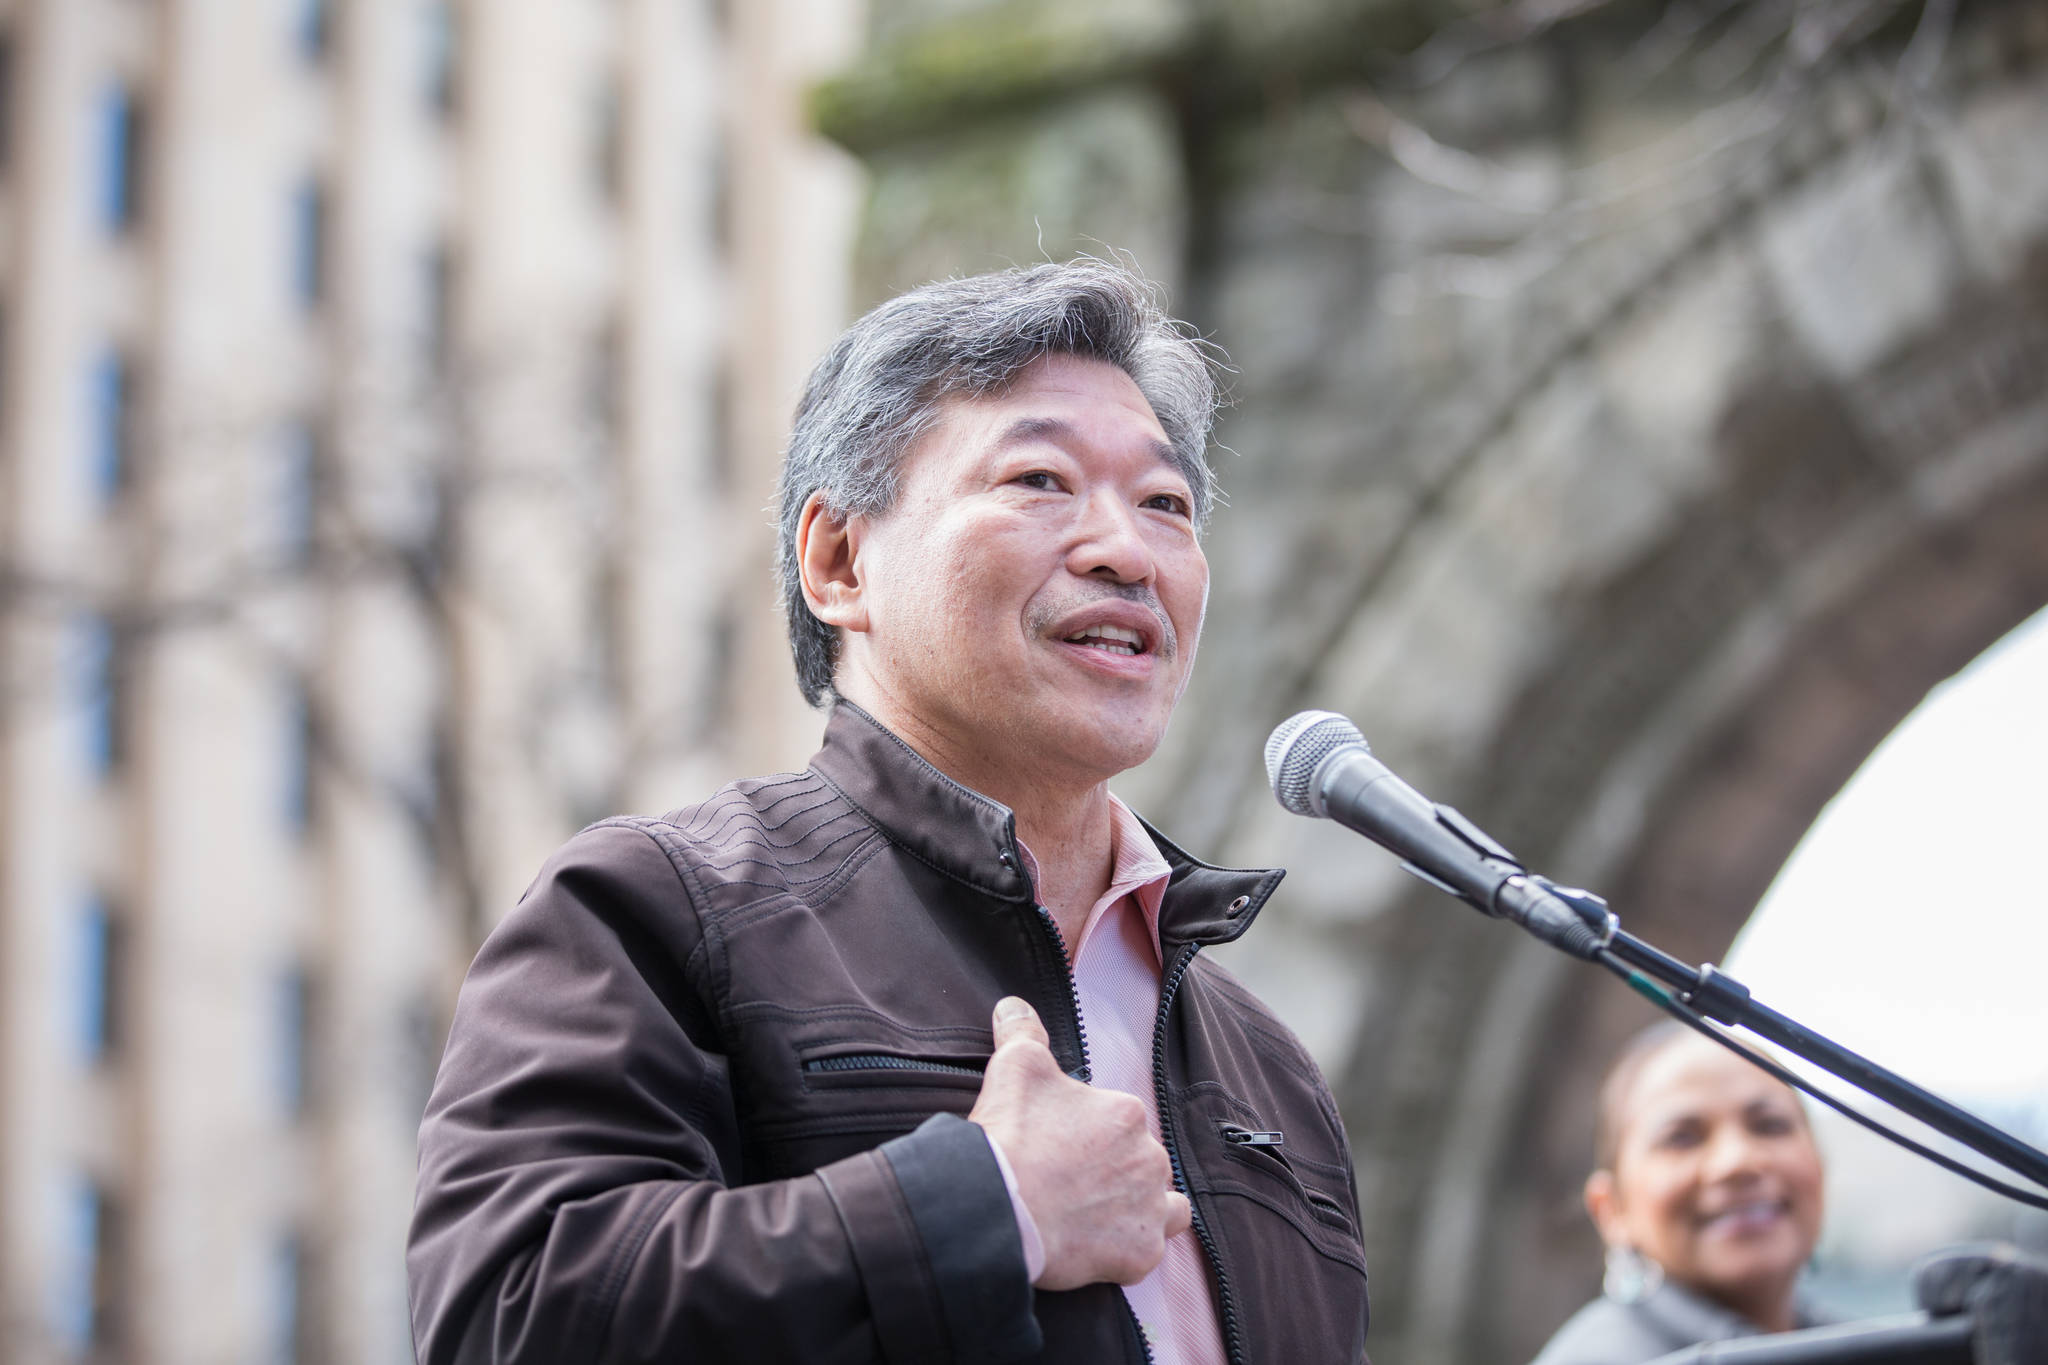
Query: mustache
[{"x": 1166, "y": 643}]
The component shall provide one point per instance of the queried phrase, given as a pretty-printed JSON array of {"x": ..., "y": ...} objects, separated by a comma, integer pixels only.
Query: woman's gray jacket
[{"x": 1667, "y": 1319}]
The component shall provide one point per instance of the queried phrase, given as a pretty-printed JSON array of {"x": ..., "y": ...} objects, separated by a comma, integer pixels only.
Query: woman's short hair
[{"x": 1620, "y": 1079}]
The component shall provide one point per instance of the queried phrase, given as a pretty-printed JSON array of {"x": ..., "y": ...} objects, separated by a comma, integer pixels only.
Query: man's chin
[{"x": 1104, "y": 745}]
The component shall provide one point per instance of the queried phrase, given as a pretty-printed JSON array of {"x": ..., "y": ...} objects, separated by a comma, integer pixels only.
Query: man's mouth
[{"x": 1110, "y": 639}]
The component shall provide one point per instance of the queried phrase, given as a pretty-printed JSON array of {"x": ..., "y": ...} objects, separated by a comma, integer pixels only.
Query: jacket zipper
[
  {"x": 1138, "y": 1329},
  {"x": 1085, "y": 1073},
  {"x": 886, "y": 1061},
  {"x": 1233, "y": 1344},
  {"x": 1059, "y": 941}
]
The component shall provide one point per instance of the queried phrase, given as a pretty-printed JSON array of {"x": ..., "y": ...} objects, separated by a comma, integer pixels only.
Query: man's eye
[
  {"x": 1169, "y": 502},
  {"x": 1038, "y": 478}
]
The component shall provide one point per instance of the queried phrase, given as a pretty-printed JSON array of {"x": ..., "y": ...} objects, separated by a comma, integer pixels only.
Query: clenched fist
[{"x": 1098, "y": 1184}]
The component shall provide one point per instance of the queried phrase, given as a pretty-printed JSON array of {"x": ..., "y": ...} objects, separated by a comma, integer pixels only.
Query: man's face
[{"x": 1035, "y": 594}]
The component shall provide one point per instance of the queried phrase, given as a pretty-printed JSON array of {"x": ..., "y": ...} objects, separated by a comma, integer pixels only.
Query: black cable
[{"x": 1693, "y": 1019}]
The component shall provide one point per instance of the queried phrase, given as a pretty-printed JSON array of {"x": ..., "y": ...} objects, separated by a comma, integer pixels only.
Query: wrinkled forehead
[{"x": 1084, "y": 406}]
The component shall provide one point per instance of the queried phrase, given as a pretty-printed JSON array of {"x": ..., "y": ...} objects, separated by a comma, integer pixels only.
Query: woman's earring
[{"x": 1631, "y": 1276}]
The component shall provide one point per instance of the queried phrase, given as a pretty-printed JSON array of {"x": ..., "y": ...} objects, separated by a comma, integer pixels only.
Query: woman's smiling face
[{"x": 1715, "y": 1177}]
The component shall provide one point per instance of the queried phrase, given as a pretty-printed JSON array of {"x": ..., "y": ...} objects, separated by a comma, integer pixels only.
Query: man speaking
[{"x": 912, "y": 1056}]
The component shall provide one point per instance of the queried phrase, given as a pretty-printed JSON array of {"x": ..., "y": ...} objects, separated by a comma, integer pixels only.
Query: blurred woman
[{"x": 1707, "y": 1192}]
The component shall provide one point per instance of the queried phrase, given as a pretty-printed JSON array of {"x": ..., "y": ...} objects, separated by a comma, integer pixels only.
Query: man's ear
[
  {"x": 828, "y": 564},
  {"x": 1603, "y": 1206}
]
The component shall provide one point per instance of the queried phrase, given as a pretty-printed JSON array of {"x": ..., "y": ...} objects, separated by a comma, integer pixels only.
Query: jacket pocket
[
  {"x": 842, "y": 1095},
  {"x": 1282, "y": 1160},
  {"x": 1270, "y": 1178},
  {"x": 1245, "y": 1145},
  {"x": 863, "y": 1066}
]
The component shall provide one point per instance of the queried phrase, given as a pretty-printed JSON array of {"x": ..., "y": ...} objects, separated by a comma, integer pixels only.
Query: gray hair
[{"x": 881, "y": 385}]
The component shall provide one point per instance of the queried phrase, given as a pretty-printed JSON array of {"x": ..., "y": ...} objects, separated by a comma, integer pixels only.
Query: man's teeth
[{"x": 1114, "y": 639}]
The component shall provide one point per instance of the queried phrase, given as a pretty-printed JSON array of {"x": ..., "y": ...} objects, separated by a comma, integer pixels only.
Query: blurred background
[{"x": 1639, "y": 408}]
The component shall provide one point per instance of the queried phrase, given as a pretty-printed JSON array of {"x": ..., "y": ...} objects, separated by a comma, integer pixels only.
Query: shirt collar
[{"x": 1137, "y": 869}]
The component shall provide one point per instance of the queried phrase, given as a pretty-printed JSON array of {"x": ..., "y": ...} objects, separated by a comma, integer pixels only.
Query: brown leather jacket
[{"x": 701, "y": 1098}]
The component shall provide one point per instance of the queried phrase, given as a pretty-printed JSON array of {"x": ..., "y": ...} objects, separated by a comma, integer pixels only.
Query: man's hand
[{"x": 1098, "y": 1185}]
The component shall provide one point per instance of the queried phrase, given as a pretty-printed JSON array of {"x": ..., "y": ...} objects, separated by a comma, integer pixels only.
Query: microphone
[{"x": 1321, "y": 767}]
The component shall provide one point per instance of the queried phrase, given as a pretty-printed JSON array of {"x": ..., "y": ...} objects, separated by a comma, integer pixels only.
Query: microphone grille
[{"x": 1298, "y": 747}]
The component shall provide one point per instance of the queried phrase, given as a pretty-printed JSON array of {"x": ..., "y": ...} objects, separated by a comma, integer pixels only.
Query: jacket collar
[{"x": 973, "y": 839}]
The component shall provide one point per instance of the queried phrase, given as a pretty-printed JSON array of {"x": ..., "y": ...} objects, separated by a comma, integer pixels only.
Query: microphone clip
[{"x": 1566, "y": 917}]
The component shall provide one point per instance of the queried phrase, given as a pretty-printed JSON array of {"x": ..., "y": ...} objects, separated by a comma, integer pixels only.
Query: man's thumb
[{"x": 1014, "y": 1019}]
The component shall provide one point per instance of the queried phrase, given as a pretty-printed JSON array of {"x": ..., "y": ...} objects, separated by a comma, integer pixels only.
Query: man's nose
[{"x": 1110, "y": 543}]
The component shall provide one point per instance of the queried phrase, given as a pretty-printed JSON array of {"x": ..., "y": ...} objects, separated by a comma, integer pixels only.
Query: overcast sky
[{"x": 1911, "y": 924}]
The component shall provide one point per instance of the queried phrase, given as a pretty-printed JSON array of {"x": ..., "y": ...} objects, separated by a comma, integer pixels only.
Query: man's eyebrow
[
  {"x": 1027, "y": 430},
  {"x": 1060, "y": 432}
]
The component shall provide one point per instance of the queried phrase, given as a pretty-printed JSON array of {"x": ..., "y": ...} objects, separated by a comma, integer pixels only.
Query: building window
[
  {"x": 123, "y": 146},
  {"x": 722, "y": 429},
  {"x": 101, "y": 670},
  {"x": 296, "y": 755},
  {"x": 608, "y": 144},
  {"x": 6, "y": 100},
  {"x": 443, "y": 57},
  {"x": 101, "y": 975},
  {"x": 295, "y": 500},
  {"x": 87, "y": 1288},
  {"x": 309, "y": 244},
  {"x": 439, "y": 306},
  {"x": 713, "y": 692},
  {"x": 312, "y": 28},
  {"x": 723, "y": 201},
  {"x": 603, "y": 377},
  {"x": 297, "y": 1000},
  {"x": 110, "y": 425},
  {"x": 288, "y": 1318},
  {"x": 420, "y": 1039}
]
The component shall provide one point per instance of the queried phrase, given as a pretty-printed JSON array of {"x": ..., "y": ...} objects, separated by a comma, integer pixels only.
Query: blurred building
[{"x": 389, "y": 393}]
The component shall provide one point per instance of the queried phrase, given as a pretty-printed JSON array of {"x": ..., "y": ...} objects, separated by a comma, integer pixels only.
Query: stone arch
[
  {"x": 1655, "y": 698},
  {"x": 1725, "y": 776},
  {"x": 1776, "y": 737},
  {"x": 1862, "y": 536}
]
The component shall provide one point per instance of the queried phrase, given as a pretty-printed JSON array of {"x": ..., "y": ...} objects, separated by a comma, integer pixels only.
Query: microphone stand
[
  {"x": 1914, "y": 1339},
  {"x": 1982, "y": 1305},
  {"x": 1719, "y": 996},
  {"x": 1320, "y": 766},
  {"x": 1986, "y": 1306}
]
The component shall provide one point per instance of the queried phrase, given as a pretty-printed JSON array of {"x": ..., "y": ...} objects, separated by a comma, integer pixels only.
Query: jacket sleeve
[{"x": 577, "y": 1199}]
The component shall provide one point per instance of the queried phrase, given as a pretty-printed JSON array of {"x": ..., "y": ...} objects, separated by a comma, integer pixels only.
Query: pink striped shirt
[{"x": 1117, "y": 965}]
